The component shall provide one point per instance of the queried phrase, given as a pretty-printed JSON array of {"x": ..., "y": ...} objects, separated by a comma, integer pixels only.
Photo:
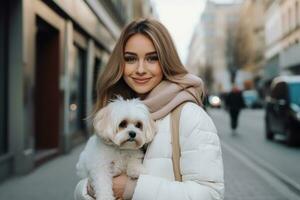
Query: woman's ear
[
  {"x": 150, "y": 130},
  {"x": 103, "y": 124}
]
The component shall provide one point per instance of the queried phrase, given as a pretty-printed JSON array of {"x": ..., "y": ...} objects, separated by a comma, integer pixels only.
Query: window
[
  {"x": 294, "y": 89},
  {"x": 297, "y": 18},
  {"x": 97, "y": 66},
  {"x": 279, "y": 91},
  {"x": 290, "y": 20},
  {"x": 77, "y": 91},
  {"x": 285, "y": 23}
]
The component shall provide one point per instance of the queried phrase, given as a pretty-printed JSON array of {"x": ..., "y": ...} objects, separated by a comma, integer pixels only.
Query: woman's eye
[
  {"x": 130, "y": 59},
  {"x": 152, "y": 59}
]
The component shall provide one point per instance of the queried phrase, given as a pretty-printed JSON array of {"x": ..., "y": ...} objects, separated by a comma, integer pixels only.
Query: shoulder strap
[{"x": 175, "y": 119}]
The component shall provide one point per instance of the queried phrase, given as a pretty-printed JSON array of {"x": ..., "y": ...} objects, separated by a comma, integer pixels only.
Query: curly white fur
[{"x": 122, "y": 128}]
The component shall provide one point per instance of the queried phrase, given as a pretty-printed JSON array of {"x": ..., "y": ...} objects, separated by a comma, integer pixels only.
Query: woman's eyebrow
[
  {"x": 150, "y": 53},
  {"x": 132, "y": 53}
]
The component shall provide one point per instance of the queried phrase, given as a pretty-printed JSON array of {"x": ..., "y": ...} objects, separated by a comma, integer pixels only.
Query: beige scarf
[{"x": 168, "y": 95}]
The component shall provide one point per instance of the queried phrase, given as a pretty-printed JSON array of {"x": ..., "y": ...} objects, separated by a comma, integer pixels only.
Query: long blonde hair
[{"x": 110, "y": 83}]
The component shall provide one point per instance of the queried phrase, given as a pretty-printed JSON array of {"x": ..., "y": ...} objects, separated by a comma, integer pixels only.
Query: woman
[{"x": 145, "y": 64}]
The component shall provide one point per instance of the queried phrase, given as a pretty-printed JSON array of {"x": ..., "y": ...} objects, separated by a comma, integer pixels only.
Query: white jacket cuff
[{"x": 80, "y": 192}]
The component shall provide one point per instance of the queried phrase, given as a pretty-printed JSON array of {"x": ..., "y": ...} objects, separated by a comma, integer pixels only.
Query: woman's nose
[{"x": 141, "y": 67}]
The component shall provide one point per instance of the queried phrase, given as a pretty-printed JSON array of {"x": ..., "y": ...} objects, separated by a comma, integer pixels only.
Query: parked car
[
  {"x": 252, "y": 99},
  {"x": 283, "y": 109}
]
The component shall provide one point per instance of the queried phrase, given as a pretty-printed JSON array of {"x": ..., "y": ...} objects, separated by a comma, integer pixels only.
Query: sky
[{"x": 180, "y": 17}]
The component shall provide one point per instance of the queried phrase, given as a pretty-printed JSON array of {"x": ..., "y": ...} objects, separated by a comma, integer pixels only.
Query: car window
[
  {"x": 294, "y": 90},
  {"x": 279, "y": 91}
]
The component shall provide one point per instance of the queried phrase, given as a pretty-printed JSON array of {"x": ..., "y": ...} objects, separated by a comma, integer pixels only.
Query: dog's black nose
[{"x": 132, "y": 134}]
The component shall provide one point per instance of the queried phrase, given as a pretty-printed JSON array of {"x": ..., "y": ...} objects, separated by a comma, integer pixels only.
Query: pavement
[{"x": 56, "y": 179}]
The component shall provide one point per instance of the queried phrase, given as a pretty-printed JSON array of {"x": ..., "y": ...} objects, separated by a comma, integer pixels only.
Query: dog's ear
[
  {"x": 150, "y": 130},
  {"x": 103, "y": 124}
]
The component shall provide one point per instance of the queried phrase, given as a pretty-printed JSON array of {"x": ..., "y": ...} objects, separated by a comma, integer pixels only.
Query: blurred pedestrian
[
  {"x": 145, "y": 64},
  {"x": 234, "y": 103}
]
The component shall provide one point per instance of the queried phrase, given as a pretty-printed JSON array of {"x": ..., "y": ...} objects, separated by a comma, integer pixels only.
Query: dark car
[{"x": 283, "y": 109}]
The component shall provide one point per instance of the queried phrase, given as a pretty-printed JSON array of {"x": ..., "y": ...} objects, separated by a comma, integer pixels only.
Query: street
[
  {"x": 255, "y": 169},
  {"x": 271, "y": 159}
]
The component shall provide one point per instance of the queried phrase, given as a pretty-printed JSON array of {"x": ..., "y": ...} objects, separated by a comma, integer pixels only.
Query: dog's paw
[
  {"x": 134, "y": 172},
  {"x": 116, "y": 172},
  {"x": 115, "y": 169}
]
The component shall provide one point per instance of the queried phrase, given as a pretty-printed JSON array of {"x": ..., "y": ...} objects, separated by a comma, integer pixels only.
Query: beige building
[
  {"x": 273, "y": 34},
  {"x": 209, "y": 55},
  {"x": 289, "y": 55},
  {"x": 250, "y": 43},
  {"x": 51, "y": 53},
  {"x": 282, "y": 34}
]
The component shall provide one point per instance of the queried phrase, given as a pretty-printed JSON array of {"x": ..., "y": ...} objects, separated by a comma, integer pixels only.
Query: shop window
[
  {"x": 77, "y": 91},
  {"x": 97, "y": 67}
]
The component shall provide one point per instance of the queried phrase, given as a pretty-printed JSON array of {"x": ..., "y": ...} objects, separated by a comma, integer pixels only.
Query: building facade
[
  {"x": 273, "y": 34},
  {"x": 51, "y": 53},
  {"x": 211, "y": 43},
  {"x": 250, "y": 44},
  {"x": 282, "y": 35}
]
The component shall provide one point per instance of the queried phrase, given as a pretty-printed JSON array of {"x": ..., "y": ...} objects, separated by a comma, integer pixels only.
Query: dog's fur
[{"x": 112, "y": 151}]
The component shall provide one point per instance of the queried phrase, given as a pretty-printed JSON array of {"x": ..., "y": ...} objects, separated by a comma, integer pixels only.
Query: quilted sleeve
[{"x": 80, "y": 192}]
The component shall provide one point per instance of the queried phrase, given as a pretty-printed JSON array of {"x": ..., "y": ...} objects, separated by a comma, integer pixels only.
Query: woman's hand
[
  {"x": 119, "y": 183},
  {"x": 90, "y": 189}
]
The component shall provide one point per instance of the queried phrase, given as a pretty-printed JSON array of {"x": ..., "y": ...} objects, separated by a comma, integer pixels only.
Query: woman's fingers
[{"x": 90, "y": 190}]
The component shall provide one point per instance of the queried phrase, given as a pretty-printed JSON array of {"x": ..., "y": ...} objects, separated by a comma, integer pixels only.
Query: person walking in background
[{"x": 234, "y": 103}]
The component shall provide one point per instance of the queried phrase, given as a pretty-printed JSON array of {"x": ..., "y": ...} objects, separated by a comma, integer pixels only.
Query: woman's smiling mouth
[{"x": 141, "y": 80}]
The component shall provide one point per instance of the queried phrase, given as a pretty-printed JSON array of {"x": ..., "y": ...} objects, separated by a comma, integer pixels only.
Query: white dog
[{"x": 122, "y": 128}]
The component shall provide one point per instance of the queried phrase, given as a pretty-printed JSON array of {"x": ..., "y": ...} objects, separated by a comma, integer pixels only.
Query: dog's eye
[
  {"x": 123, "y": 124},
  {"x": 139, "y": 125}
]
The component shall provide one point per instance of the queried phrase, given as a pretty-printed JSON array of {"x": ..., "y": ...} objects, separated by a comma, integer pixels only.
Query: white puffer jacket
[{"x": 200, "y": 163}]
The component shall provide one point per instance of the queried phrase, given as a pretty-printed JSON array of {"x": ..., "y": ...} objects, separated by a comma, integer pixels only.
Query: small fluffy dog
[{"x": 122, "y": 128}]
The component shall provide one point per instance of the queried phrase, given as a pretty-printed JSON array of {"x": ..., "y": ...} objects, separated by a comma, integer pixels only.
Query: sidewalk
[{"x": 56, "y": 180}]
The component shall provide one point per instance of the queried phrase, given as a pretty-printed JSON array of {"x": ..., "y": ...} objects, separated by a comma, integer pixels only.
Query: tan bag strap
[{"x": 175, "y": 119}]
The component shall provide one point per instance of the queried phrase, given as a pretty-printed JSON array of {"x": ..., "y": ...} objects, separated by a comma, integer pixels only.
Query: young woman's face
[{"x": 142, "y": 70}]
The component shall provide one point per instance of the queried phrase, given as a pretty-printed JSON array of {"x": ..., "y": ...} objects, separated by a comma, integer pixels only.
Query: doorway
[{"x": 46, "y": 96}]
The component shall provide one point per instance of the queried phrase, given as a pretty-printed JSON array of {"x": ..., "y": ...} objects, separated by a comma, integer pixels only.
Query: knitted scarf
[{"x": 168, "y": 95}]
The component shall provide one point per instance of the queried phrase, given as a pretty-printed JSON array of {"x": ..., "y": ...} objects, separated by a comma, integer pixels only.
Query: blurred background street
[{"x": 52, "y": 51}]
